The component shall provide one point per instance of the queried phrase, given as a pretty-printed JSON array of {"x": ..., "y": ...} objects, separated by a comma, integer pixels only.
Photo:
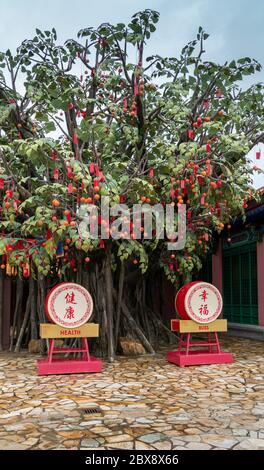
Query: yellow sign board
[
  {"x": 190, "y": 326},
  {"x": 88, "y": 330}
]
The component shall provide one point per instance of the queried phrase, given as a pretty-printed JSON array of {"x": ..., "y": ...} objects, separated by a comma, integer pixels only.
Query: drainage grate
[{"x": 91, "y": 411}]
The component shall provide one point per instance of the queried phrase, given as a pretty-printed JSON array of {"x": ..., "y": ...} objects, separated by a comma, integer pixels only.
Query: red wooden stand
[
  {"x": 209, "y": 351},
  {"x": 51, "y": 365}
]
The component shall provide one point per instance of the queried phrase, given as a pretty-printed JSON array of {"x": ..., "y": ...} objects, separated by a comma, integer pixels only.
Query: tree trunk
[
  {"x": 18, "y": 307},
  {"x": 119, "y": 300},
  {"x": 109, "y": 304},
  {"x": 137, "y": 330},
  {"x": 1, "y": 308},
  {"x": 33, "y": 310},
  {"x": 24, "y": 324},
  {"x": 44, "y": 344}
]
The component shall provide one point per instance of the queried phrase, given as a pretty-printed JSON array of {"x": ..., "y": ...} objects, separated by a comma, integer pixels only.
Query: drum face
[
  {"x": 69, "y": 305},
  {"x": 199, "y": 301}
]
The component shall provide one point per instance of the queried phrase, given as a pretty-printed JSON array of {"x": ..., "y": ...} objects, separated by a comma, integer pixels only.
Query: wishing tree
[{"x": 83, "y": 120}]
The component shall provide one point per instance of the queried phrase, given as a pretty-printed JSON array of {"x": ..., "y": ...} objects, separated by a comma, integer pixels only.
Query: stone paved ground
[{"x": 145, "y": 403}]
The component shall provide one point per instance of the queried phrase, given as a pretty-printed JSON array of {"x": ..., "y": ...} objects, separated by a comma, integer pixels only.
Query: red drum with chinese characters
[
  {"x": 69, "y": 305},
  {"x": 199, "y": 301}
]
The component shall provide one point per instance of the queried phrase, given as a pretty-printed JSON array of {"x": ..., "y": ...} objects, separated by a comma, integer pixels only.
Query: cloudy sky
[{"x": 235, "y": 26}]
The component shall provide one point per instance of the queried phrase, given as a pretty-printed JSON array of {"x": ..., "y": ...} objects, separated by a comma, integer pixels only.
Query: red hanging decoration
[
  {"x": 202, "y": 200},
  {"x": 73, "y": 263},
  {"x": 26, "y": 270},
  {"x": 91, "y": 168},
  {"x": 75, "y": 139},
  {"x": 208, "y": 148},
  {"x": 122, "y": 198},
  {"x": 124, "y": 105},
  {"x": 56, "y": 173},
  {"x": 96, "y": 184},
  {"x": 258, "y": 155},
  {"x": 102, "y": 245},
  {"x": 191, "y": 134},
  {"x": 69, "y": 170},
  {"x": 48, "y": 234},
  {"x": 172, "y": 193},
  {"x": 135, "y": 88},
  {"x": 171, "y": 267},
  {"x": 9, "y": 194},
  {"x": 151, "y": 173},
  {"x": 2, "y": 183},
  {"x": 70, "y": 188},
  {"x": 101, "y": 177},
  {"x": 201, "y": 180},
  {"x": 68, "y": 217},
  {"x": 218, "y": 93},
  {"x": 97, "y": 171},
  {"x": 54, "y": 155},
  {"x": 82, "y": 186},
  {"x": 182, "y": 184}
]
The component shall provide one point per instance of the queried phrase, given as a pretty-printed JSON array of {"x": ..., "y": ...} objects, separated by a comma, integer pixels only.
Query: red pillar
[
  {"x": 217, "y": 278},
  {"x": 260, "y": 273}
]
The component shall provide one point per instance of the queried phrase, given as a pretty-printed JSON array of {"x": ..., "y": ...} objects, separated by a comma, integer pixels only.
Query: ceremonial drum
[
  {"x": 69, "y": 305},
  {"x": 199, "y": 301}
]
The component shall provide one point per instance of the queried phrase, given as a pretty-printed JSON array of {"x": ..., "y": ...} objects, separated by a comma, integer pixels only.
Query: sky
[{"x": 235, "y": 26}]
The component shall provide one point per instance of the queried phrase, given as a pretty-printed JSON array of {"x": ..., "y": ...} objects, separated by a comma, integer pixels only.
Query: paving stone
[
  {"x": 119, "y": 438},
  {"x": 121, "y": 445},
  {"x": 151, "y": 438},
  {"x": 219, "y": 441},
  {"x": 90, "y": 443},
  {"x": 145, "y": 404},
  {"x": 143, "y": 446},
  {"x": 198, "y": 446},
  {"x": 10, "y": 445},
  {"x": 163, "y": 445},
  {"x": 250, "y": 444}
]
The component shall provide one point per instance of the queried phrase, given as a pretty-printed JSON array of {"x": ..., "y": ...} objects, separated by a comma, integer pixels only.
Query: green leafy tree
[{"x": 82, "y": 121}]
